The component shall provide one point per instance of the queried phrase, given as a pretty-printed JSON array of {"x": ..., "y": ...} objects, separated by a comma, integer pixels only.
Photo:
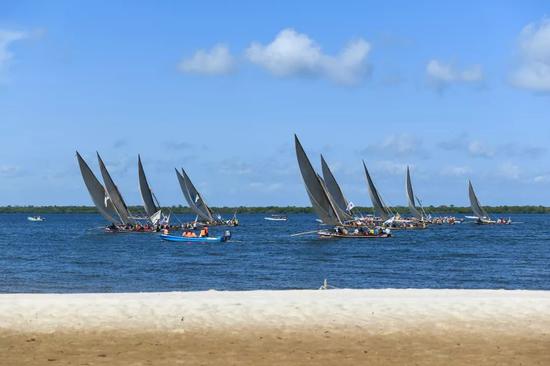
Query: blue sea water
[{"x": 71, "y": 253}]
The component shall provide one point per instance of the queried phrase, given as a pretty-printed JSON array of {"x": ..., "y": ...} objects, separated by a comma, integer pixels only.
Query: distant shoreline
[{"x": 434, "y": 210}]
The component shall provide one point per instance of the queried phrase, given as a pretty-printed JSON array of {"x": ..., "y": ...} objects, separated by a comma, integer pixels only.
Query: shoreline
[
  {"x": 273, "y": 308},
  {"x": 383, "y": 327}
]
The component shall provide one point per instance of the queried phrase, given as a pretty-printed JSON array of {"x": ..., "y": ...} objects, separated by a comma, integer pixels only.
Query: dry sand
[{"x": 344, "y": 327}]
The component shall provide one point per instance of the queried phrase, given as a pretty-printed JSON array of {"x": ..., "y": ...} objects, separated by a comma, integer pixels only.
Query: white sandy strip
[{"x": 377, "y": 311}]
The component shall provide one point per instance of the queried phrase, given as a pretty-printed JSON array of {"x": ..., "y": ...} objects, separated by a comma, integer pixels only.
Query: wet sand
[{"x": 336, "y": 327}]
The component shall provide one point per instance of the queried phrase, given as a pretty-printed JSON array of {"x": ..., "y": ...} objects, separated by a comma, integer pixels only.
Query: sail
[
  {"x": 193, "y": 197},
  {"x": 318, "y": 194},
  {"x": 379, "y": 208},
  {"x": 410, "y": 197},
  {"x": 474, "y": 203},
  {"x": 97, "y": 192},
  {"x": 146, "y": 194},
  {"x": 114, "y": 195},
  {"x": 335, "y": 192}
]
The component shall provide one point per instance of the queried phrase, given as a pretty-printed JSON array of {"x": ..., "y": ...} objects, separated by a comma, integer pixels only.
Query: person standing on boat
[{"x": 204, "y": 232}]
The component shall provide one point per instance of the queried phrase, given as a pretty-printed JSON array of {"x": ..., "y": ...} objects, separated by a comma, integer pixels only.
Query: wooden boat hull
[
  {"x": 328, "y": 235},
  {"x": 184, "y": 239}
]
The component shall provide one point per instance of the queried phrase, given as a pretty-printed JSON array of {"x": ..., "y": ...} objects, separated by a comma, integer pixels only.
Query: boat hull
[
  {"x": 184, "y": 239},
  {"x": 328, "y": 235}
]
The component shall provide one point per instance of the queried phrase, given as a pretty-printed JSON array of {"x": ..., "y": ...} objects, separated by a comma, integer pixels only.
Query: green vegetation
[{"x": 276, "y": 210}]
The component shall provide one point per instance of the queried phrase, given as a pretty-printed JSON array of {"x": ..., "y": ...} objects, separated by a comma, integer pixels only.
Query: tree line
[{"x": 443, "y": 209}]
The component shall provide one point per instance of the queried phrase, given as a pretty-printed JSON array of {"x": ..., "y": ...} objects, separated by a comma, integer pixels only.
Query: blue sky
[{"x": 456, "y": 91}]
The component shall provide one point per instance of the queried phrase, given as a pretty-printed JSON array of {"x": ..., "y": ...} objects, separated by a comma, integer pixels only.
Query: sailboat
[
  {"x": 197, "y": 203},
  {"x": 98, "y": 193},
  {"x": 410, "y": 198},
  {"x": 324, "y": 204},
  {"x": 150, "y": 202},
  {"x": 384, "y": 214},
  {"x": 341, "y": 203},
  {"x": 380, "y": 209},
  {"x": 480, "y": 215},
  {"x": 114, "y": 196}
]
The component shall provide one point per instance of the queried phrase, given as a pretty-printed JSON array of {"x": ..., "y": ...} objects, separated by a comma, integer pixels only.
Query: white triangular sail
[
  {"x": 97, "y": 192},
  {"x": 410, "y": 197},
  {"x": 114, "y": 195},
  {"x": 378, "y": 205},
  {"x": 478, "y": 211},
  {"x": 316, "y": 190}
]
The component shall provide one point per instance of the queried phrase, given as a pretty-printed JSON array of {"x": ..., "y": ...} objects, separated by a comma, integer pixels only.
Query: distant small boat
[
  {"x": 276, "y": 218},
  {"x": 187, "y": 239},
  {"x": 35, "y": 218}
]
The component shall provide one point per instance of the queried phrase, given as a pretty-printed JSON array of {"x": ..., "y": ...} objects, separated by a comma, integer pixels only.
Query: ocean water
[{"x": 71, "y": 253}]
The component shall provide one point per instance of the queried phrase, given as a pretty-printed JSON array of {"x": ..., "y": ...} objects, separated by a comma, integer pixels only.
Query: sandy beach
[{"x": 376, "y": 327}]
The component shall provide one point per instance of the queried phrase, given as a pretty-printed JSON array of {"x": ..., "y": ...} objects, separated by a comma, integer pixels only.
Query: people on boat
[
  {"x": 204, "y": 232},
  {"x": 189, "y": 234}
]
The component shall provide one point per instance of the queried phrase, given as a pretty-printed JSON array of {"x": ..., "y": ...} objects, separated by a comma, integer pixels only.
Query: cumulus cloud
[
  {"x": 10, "y": 171},
  {"x": 401, "y": 144},
  {"x": 7, "y": 37},
  {"x": 533, "y": 72},
  {"x": 215, "y": 61},
  {"x": 479, "y": 149},
  {"x": 542, "y": 178},
  {"x": 456, "y": 171},
  {"x": 295, "y": 54},
  {"x": 393, "y": 168},
  {"x": 509, "y": 171},
  {"x": 441, "y": 75}
]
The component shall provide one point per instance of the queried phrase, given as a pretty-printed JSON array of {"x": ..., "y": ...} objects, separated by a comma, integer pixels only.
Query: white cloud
[
  {"x": 393, "y": 168},
  {"x": 533, "y": 73},
  {"x": 456, "y": 171},
  {"x": 542, "y": 179},
  {"x": 509, "y": 171},
  {"x": 216, "y": 61},
  {"x": 478, "y": 149},
  {"x": 292, "y": 53},
  {"x": 6, "y": 39},
  {"x": 442, "y": 75},
  {"x": 399, "y": 144}
]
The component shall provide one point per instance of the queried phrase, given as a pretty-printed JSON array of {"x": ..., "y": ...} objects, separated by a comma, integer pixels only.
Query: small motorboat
[
  {"x": 36, "y": 218},
  {"x": 276, "y": 218},
  {"x": 197, "y": 239}
]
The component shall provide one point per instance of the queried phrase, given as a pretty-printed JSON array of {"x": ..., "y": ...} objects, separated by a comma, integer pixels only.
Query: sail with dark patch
[
  {"x": 114, "y": 194},
  {"x": 97, "y": 192},
  {"x": 474, "y": 203},
  {"x": 318, "y": 194},
  {"x": 193, "y": 197},
  {"x": 151, "y": 208},
  {"x": 336, "y": 193},
  {"x": 378, "y": 205},
  {"x": 410, "y": 197}
]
